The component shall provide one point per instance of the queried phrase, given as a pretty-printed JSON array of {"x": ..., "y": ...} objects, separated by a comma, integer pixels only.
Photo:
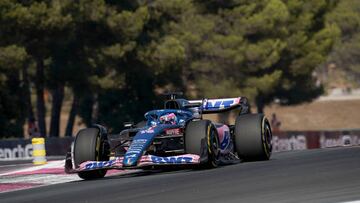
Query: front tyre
[
  {"x": 201, "y": 138},
  {"x": 253, "y": 137},
  {"x": 90, "y": 146}
]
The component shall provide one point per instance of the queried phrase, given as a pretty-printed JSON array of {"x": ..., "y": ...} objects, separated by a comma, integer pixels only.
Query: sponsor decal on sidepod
[{"x": 175, "y": 131}]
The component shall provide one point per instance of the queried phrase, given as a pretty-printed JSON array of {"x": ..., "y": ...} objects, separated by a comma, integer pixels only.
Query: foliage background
[{"x": 115, "y": 58}]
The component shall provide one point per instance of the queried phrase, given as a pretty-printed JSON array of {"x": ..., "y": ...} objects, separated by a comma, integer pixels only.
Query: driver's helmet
[{"x": 168, "y": 119}]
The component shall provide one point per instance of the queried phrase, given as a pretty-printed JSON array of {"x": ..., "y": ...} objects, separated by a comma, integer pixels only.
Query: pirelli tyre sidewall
[
  {"x": 89, "y": 146},
  {"x": 253, "y": 137},
  {"x": 201, "y": 138}
]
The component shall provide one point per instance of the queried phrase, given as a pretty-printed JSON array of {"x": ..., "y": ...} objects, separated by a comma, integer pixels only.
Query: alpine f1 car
[{"x": 175, "y": 135}]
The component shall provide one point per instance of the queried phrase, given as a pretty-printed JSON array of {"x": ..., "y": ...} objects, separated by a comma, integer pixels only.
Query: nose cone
[
  {"x": 130, "y": 161},
  {"x": 140, "y": 143}
]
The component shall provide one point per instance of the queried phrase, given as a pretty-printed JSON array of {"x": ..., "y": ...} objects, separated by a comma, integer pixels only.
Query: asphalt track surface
[{"x": 323, "y": 175}]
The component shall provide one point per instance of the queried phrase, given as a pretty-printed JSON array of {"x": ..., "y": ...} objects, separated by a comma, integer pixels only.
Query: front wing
[{"x": 146, "y": 160}]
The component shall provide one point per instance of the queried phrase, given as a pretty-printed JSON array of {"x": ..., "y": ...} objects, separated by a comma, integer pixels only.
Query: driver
[{"x": 168, "y": 119}]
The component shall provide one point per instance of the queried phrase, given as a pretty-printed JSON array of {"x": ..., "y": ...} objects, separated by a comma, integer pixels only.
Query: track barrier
[
  {"x": 39, "y": 152},
  {"x": 302, "y": 140},
  {"x": 13, "y": 149}
]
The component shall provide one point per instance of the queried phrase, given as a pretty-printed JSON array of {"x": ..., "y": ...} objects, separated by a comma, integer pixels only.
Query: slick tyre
[
  {"x": 253, "y": 137},
  {"x": 89, "y": 146},
  {"x": 201, "y": 138}
]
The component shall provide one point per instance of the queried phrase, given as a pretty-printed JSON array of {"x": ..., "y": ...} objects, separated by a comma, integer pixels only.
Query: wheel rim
[{"x": 268, "y": 137}]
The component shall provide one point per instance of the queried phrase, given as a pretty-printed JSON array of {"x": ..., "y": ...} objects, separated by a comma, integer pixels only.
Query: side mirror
[{"x": 129, "y": 124}]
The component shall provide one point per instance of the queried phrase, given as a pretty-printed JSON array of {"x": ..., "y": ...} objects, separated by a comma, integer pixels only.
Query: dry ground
[{"x": 318, "y": 115}]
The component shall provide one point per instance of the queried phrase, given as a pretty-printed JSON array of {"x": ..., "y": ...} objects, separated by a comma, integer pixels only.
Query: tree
[
  {"x": 12, "y": 110},
  {"x": 116, "y": 57},
  {"x": 264, "y": 49},
  {"x": 347, "y": 49},
  {"x": 34, "y": 24}
]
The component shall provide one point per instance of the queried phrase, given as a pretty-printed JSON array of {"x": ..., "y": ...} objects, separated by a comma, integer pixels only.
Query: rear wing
[{"x": 220, "y": 105}]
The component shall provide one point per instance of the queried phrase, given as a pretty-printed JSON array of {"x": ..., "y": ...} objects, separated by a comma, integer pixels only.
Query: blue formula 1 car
[{"x": 175, "y": 135}]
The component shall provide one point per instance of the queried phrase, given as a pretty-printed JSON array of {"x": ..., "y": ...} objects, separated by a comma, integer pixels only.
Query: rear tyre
[
  {"x": 253, "y": 137},
  {"x": 90, "y": 146},
  {"x": 201, "y": 138}
]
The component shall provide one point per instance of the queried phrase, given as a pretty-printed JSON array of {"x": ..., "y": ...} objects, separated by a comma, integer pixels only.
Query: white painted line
[
  {"x": 17, "y": 159},
  {"x": 47, "y": 179},
  {"x": 13, "y": 165},
  {"x": 50, "y": 164}
]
